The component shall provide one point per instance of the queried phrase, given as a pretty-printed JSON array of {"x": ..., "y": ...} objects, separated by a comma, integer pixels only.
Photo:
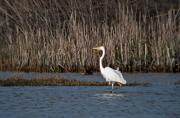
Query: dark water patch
[{"x": 177, "y": 82}]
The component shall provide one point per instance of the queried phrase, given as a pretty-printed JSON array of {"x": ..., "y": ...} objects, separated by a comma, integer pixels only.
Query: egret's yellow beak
[{"x": 97, "y": 48}]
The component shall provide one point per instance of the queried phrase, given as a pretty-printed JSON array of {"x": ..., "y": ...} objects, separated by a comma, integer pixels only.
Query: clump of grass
[
  {"x": 56, "y": 82},
  {"x": 138, "y": 84},
  {"x": 47, "y": 82}
]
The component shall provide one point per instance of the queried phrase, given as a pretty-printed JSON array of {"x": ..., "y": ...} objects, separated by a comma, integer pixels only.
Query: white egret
[{"x": 108, "y": 73}]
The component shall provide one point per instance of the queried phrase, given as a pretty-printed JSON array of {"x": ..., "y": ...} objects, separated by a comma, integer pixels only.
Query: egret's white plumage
[{"x": 108, "y": 73}]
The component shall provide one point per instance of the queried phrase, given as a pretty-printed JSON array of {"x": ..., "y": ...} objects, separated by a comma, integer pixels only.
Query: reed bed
[
  {"x": 15, "y": 81},
  {"x": 51, "y": 35}
]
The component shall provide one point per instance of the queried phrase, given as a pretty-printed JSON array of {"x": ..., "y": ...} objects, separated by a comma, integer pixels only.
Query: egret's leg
[{"x": 112, "y": 85}]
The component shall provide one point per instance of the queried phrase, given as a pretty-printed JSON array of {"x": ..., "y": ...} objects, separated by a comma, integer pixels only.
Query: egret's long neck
[{"x": 101, "y": 58}]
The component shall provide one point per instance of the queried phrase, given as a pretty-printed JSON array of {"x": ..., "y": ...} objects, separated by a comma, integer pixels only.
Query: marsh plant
[
  {"x": 19, "y": 81},
  {"x": 51, "y": 35}
]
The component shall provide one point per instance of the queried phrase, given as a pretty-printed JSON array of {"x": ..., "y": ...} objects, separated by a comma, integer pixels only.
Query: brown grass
[
  {"x": 48, "y": 35},
  {"x": 15, "y": 81}
]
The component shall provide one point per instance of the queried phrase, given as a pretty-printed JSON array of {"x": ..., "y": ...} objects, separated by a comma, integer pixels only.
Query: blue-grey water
[{"x": 159, "y": 100}]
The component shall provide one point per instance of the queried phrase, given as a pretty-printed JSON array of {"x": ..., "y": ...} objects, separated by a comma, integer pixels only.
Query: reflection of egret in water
[{"x": 108, "y": 95}]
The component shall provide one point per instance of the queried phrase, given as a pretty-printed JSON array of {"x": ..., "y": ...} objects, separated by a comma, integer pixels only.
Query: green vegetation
[{"x": 52, "y": 35}]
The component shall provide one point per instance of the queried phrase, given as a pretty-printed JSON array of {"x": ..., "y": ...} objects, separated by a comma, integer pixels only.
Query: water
[{"x": 160, "y": 100}]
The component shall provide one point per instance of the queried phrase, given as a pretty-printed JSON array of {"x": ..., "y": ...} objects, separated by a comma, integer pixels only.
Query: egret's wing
[
  {"x": 113, "y": 75},
  {"x": 121, "y": 76}
]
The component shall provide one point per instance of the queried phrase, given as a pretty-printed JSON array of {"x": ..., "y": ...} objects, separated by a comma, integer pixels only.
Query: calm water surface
[{"x": 160, "y": 100}]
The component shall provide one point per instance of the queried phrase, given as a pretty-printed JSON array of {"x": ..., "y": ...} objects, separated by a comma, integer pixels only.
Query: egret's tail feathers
[{"x": 123, "y": 81}]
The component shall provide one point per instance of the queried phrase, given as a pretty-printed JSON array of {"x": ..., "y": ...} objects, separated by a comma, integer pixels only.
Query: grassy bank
[
  {"x": 57, "y": 82},
  {"x": 49, "y": 35}
]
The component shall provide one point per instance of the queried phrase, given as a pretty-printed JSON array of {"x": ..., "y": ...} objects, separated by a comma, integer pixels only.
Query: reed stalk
[{"x": 48, "y": 35}]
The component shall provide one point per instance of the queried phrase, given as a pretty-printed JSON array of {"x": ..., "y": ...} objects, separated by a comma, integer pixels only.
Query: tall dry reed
[{"x": 51, "y": 35}]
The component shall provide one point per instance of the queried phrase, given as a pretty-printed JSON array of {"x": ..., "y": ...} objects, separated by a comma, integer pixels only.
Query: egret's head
[{"x": 99, "y": 48}]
